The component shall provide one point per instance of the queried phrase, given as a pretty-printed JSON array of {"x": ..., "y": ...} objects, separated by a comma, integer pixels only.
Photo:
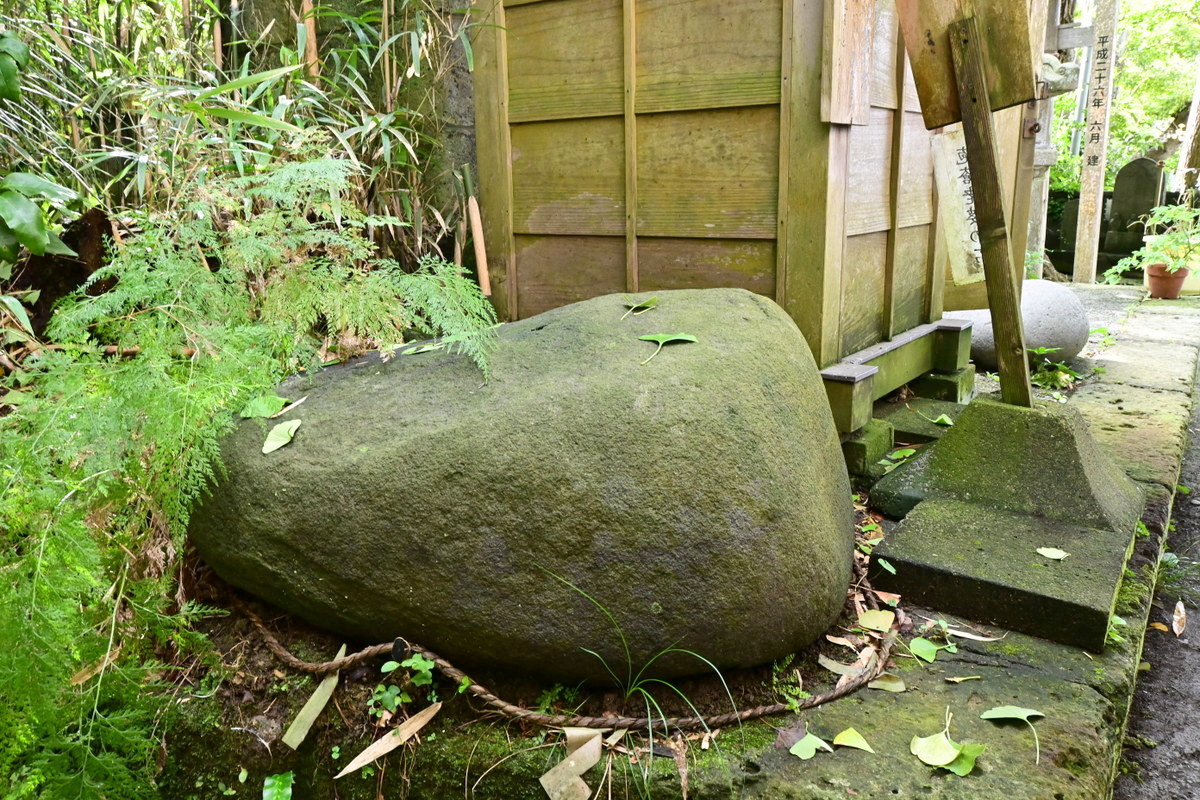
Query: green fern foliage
[{"x": 114, "y": 435}]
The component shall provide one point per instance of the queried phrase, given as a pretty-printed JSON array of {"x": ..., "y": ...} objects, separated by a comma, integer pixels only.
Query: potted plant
[{"x": 1171, "y": 248}]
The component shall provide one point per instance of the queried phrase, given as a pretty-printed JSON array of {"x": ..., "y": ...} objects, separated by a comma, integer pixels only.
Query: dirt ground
[{"x": 1163, "y": 740}]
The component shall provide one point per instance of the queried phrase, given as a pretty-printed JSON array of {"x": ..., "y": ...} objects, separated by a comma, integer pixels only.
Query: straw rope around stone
[{"x": 570, "y": 720}]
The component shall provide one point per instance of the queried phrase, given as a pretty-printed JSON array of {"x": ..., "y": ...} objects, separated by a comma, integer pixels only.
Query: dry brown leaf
[
  {"x": 679, "y": 750},
  {"x": 866, "y": 660},
  {"x": 891, "y": 598},
  {"x": 1179, "y": 619}
]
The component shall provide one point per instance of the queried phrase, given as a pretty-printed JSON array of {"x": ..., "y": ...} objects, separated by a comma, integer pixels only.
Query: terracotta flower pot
[{"x": 1165, "y": 285}]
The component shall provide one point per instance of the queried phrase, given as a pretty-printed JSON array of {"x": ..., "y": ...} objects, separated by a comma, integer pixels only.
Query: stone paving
[{"x": 1138, "y": 402}]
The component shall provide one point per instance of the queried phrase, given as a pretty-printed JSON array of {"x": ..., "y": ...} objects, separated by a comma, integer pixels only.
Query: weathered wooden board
[
  {"x": 957, "y": 206},
  {"x": 709, "y": 173},
  {"x": 914, "y": 205},
  {"x": 700, "y": 263},
  {"x": 868, "y": 196},
  {"x": 568, "y": 177},
  {"x": 883, "y": 70},
  {"x": 862, "y": 291},
  {"x": 707, "y": 53},
  {"x": 1004, "y": 33},
  {"x": 557, "y": 270},
  {"x": 848, "y": 70},
  {"x": 564, "y": 59},
  {"x": 911, "y": 269}
]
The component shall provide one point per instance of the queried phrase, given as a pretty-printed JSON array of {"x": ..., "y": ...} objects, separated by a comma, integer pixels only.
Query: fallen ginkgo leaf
[
  {"x": 807, "y": 747},
  {"x": 852, "y": 738}
]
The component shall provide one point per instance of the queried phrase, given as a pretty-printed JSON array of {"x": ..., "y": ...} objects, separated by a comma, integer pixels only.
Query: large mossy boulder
[{"x": 699, "y": 501}]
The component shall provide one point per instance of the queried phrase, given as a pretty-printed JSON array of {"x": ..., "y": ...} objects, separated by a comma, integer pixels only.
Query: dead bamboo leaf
[
  {"x": 391, "y": 740},
  {"x": 563, "y": 781},
  {"x": 87, "y": 673},
  {"x": 844, "y": 642},
  {"x": 972, "y": 636},
  {"x": 299, "y": 728},
  {"x": 286, "y": 409},
  {"x": 1179, "y": 619},
  {"x": 864, "y": 662},
  {"x": 679, "y": 747}
]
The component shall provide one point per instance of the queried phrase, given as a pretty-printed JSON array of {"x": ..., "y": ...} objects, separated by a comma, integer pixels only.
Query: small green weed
[
  {"x": 787, "y": 683},
  {"x": 1052, "y": 375}
]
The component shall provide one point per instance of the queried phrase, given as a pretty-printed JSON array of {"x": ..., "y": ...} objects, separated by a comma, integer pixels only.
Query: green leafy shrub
[{"x": 102, "y": 457}]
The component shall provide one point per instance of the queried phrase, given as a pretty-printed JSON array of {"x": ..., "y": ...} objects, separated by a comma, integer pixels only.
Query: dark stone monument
[{"x": 1138, "y": 189}]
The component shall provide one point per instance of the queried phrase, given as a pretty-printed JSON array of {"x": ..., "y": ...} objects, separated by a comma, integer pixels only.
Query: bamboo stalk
[
  {"x": 311, "y": 65},
  {"x": 481, "y": 266}
]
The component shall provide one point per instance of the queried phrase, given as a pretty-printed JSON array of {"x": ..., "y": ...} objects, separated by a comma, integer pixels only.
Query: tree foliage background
[{"x": 1157, "y": 60}]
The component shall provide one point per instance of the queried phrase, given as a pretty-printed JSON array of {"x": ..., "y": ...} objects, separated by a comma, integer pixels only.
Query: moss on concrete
[
  {"x": 1040, "y": 461},
  {"x": 983, "y": 563}
]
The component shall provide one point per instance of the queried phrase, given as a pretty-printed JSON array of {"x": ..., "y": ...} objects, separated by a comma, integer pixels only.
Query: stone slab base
[
  {"x": 983, "y": 564},
  {"x": 1034, "y": 461}
]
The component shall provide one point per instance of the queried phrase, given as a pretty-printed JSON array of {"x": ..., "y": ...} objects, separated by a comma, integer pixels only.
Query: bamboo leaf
[
  {"x": 246, "y": 118},
  {"x": 32, "y": 186},
  {"x": 392, "y": 739},
  {"x": 299, "y": 728},
  {"x": 248, "y": 80}
]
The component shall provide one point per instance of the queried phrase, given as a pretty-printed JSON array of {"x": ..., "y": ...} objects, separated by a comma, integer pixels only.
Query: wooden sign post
[
  {"x": 980, "y": 132},
  {"x": 1095, "y": 138},
  {"x": 968, "y": 58}
]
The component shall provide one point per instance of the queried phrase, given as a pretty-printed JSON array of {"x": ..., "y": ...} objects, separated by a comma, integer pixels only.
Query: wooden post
[
  {"x": 1003, "y": 298},
  {"x": 1095, "y": 139}
]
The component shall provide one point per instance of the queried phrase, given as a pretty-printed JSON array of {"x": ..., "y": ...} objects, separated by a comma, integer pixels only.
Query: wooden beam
[
  {"x": 812, "y": 164},
  {"x": 494, "y": 152},
  {"x": 632, "y": 278},
  {"x": 895, "y": 187},
  {"x": 1003, "y": 298},
  {"x": 1023, "y": 199},
  {"x": 1095, "y": 138}
]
